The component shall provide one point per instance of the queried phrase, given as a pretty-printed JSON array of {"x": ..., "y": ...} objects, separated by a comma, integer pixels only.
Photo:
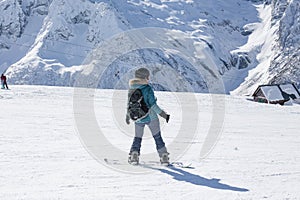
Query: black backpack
[{"x": 137, "y": 108}]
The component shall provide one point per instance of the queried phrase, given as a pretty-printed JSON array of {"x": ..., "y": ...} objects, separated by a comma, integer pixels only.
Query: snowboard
[{"x": 149, "y": 164}]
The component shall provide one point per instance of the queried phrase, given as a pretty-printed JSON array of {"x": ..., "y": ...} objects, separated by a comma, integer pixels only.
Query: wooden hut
[{"x": 277, "y": 93}]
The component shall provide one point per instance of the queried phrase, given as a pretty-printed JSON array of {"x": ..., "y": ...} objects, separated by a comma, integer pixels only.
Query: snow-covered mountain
[
  {"x": 247, "y": 42},
  {"x": 278, "y": 58}
]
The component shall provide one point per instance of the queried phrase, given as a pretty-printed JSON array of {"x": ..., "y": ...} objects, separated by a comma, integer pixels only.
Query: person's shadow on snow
[{"x": 181, "y": 175}]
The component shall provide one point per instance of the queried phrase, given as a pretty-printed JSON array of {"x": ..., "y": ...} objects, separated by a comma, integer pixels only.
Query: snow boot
[
  {"x": 133, "y": 158},
  {"x": 164, "y": 159}
]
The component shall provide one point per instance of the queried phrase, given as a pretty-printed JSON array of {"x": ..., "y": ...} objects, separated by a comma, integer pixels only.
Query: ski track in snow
[{"x": 41, "y": 155}]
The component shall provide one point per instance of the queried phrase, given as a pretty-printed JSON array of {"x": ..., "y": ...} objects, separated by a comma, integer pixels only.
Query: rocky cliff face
[
  {"x": 13, "y": 20},
  {"x": 285, "y": 67},
  {"x": 15, "y": 15}
]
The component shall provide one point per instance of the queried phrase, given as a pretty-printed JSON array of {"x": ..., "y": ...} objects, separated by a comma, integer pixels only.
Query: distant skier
[
  {"x": 3, "y": 82},
  {"x": 144, "y": 94}
]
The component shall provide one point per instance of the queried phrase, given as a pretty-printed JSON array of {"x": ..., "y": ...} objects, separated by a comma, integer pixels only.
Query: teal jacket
[{"x": 149, "y": 98}]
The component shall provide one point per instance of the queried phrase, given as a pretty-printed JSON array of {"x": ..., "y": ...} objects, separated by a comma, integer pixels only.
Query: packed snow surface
[{"x": 43, "y": 155}]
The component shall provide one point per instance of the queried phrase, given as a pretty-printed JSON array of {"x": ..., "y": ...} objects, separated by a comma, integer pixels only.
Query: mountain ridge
[{"x": 53, "y": 38}]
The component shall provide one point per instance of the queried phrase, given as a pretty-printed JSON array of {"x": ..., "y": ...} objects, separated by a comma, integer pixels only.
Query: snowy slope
[{"x": 44, "y": 153}]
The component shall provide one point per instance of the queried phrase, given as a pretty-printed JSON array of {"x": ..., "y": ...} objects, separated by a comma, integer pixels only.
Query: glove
[
  {"x": 163, "y": 114},
  {"x": 127, "y": 120}
]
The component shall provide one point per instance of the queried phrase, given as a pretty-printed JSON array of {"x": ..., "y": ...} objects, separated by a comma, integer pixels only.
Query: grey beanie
[{"x": 142, "y": 73}]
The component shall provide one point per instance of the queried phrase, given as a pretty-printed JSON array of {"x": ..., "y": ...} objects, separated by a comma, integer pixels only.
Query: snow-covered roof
[
  {"x": 277, "y": 92},
  {"x": 290, "y": 89},
  {"x": 272, "y": 93}
]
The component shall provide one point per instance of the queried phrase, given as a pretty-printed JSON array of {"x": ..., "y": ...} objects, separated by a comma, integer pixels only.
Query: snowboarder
[
  {"x": 140, "y": 81},
  {"x": 3, "y": 82}
]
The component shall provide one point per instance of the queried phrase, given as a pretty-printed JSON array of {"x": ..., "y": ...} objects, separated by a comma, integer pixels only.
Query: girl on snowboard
[{"x": 141, "y": 81}]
